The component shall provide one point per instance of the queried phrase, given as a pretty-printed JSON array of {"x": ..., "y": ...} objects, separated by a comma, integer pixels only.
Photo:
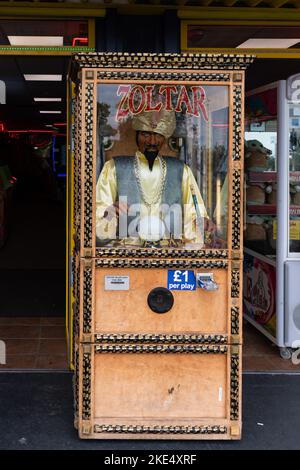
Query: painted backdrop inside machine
[
  {"x": 162, "y": 154},
  {"x": 157, "y": 252}
]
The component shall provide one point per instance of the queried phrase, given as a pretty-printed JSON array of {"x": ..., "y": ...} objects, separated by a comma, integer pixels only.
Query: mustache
[{"x": 152, "y": 147}]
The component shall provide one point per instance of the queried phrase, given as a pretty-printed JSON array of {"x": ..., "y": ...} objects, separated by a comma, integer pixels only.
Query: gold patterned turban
[{"x": 163, "y": 122}]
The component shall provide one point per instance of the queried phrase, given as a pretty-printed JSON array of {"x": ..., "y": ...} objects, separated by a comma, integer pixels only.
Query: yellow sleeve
[
  {"x": 192, "y": 231},
  {"x": 106, "y": 195},
  {"x": 190, "y": 186}
]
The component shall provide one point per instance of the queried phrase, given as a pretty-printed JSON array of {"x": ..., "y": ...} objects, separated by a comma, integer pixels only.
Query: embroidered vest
[{"x": 128, "y": 187}]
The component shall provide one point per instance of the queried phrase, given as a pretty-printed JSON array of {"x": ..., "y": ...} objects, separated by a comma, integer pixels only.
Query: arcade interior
[{"x": 33, "y": 166}]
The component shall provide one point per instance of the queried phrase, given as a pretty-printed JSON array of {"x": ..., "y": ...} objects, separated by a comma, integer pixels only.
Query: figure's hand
[
  {"x": 220, "y": 243},
  {"x": 209, "y": 225},
  {"x": 211, "y": 239},
  {"x": 115, "y": 210}
]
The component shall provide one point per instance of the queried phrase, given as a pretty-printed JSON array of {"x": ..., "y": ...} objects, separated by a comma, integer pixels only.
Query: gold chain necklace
[{"x": 161, "y": 184}]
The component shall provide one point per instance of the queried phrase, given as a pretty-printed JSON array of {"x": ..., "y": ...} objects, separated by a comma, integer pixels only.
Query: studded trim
[
  {"x": 160, "y": 338},
  {"x": 159, "y": 253},
  {"x": 159, "y": 263},
  {"x": 141, "y": 429},
  {"x": 153, "y": 348}
]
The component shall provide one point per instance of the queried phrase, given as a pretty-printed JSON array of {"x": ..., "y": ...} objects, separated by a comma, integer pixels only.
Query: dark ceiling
[{"x": 20, "y": 110}]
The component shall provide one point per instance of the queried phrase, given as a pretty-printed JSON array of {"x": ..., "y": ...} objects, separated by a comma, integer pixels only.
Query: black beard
[{"x": 151, "y": 156}]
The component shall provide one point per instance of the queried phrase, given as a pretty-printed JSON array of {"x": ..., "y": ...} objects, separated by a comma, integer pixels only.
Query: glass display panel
[
  {"x": 162, "y": 152},
  {"x": 261, "y": 171},
  {"x": 294, "y": 177}
]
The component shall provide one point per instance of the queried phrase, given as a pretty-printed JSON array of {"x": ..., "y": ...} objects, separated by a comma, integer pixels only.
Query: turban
[{"x": 162, "y": 122}]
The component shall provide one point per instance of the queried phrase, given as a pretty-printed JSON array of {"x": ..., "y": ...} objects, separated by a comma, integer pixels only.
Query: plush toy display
[
  {"x": 256, "y": 156},
  {"x": 295, "y": 194},
  {"x": 255, "y": 194},
  {"x": 255, "y": 229}
]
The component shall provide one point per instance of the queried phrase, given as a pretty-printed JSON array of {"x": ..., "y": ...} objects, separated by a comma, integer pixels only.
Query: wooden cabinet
[
  {"x": 141, "y": 371},
  {"x": 160, "y": 390}
]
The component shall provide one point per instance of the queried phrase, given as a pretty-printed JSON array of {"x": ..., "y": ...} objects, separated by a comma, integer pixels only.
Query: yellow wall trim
[
  {"x": 70, "y": 10},
  {"x": 59, "y": 51},
  {"x": 248, "y": 14}
]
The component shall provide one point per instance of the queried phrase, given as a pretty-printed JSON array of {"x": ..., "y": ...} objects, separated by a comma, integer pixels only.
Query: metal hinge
[
  {"x": 87, "y": 252},
  {"x": 235, "y": 430},
  {"x": 86, "y": 348},
  {"x": 86, "y": 428},
  {"x": 237, "y": 77},
  {"x": 87, "y": 338},
  {"x": 88, "y": 262},
  {"x": 235, "y": 339},
  {"x": 89, "y": 74},
  {"x": 236, "y": 254},
  {"x": 235, "y": 265}
]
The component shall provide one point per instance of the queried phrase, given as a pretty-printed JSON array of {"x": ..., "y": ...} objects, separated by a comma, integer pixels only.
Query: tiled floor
[
  {"x": 260, "y": 354},
  {"x": 34, "y": 343},
  {"x": 40, "y": 343}
]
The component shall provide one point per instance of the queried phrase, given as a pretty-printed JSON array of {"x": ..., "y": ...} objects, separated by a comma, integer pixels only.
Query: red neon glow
[
  {"x": 79, "y": 41},
  {"x": 60, "y": 124},
  {"x": 2, "y": 128},
  {"x": 31, "y": 131}
]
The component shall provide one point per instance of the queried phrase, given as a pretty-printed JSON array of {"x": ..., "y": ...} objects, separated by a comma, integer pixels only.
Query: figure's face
[{"x": 149, "y": 141}]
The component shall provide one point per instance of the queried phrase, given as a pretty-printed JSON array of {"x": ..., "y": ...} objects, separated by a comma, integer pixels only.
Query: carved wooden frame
[
  {"x": 90, "y": 69},
  {"x": 227, "y": 428},
  {"x": 87, "y": 71}
]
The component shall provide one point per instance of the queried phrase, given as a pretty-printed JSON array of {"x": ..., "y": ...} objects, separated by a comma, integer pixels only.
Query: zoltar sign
[
  {"x": 136, "y": 99},
  {"x": 156, "y": 252}
]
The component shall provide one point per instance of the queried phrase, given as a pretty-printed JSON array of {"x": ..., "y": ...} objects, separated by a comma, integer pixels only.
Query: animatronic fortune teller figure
[{"x": 148, "y": 199}]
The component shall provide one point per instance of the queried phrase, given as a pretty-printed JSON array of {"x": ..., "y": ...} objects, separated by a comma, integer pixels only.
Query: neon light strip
[{"x": 36, "y": 131}]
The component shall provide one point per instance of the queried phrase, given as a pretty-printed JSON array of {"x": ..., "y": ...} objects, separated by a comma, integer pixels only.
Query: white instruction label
[{"x": 116, "y": 283}]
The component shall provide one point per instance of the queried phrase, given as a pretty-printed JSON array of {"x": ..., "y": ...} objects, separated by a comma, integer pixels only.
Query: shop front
[{"x": 147, "y": 272}]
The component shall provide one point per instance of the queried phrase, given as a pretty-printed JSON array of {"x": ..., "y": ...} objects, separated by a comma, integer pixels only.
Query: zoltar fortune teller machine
[{"x": 155, "y": 244}]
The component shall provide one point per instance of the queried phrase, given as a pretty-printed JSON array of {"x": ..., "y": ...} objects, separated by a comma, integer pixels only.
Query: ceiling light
[
  {"x": 47, "y": 99},
  {"x": 36, "y": 40},
  {"x": 50, "y": 112},
  {"x": 41, "y": 77},
  {"x": 268, "y": 43},
  {"x": 48, "y": 125}
]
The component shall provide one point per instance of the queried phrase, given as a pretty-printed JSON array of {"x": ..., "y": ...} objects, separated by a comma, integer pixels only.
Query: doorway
[{"x": 33, "y": 211}]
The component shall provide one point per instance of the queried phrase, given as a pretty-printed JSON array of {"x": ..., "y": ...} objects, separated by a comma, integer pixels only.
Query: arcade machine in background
[
  {"x": 59, "y": 163},
  {"x": 272, "y": 235}
]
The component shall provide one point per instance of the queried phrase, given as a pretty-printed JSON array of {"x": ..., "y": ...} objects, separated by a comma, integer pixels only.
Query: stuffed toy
[{"x": 256, "y": 156}]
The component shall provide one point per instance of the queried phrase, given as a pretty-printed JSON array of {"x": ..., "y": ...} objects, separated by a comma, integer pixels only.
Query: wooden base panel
[{"x": 158, "y": 395}]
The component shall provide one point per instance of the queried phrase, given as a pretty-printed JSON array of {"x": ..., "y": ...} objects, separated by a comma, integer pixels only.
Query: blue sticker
[{"x": 181, "y": 280}]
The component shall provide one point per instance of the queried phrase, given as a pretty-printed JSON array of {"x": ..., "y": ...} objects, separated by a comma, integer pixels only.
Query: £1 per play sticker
[{"x": 181, "y": 280}]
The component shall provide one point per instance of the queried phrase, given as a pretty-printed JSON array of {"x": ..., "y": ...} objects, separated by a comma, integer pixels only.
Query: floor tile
[
  {"x": 25, "y": 346},
  {"x": 53, "y": 346},
  {"x": 52, "y": 362},
  {"x": 53, "y": 332},
  {"x": 18, "y": 361},
  {"x": 19, "y": 332}
]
